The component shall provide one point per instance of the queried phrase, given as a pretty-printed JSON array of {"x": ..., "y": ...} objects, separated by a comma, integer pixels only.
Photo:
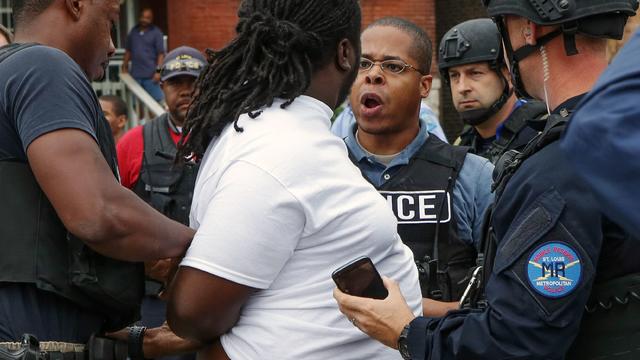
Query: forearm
[
  {"x": 160, "y": 60},
  {"x": 125, "y": 61},
  {"x": 432, "y": 308},
  {"x": 132, "y": 230}
]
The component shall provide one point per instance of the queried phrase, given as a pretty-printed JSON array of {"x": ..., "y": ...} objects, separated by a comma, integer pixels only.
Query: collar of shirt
[
  {"x": 569, "y": 104},
  {"x": 376, "y": 172}
]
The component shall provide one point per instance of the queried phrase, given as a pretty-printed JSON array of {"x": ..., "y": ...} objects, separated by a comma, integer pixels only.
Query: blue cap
[{"x": 183, "y": 60}]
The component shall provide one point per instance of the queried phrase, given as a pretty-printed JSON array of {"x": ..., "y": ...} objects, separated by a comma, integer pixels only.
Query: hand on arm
[
  {"x": 382, "y": 320},
  {"x": 160, "y": 342},
  {"x": 93, "y": 206}
]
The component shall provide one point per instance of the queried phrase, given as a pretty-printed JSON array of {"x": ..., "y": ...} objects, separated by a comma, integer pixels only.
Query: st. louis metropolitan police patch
[{"x": 554, "y": 269}]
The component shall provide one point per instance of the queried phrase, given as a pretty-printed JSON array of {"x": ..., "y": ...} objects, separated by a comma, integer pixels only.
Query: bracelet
[{"x": 136, "y": 335}]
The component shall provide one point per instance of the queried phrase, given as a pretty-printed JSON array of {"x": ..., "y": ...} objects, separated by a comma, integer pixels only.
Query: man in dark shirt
[
  {"x": 56, "y": 148},
  {"x": 145, "y": 50}
]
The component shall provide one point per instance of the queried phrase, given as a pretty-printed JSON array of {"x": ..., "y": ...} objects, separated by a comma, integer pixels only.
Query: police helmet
[
  {"x": 475, "y": 41},
  {"x": 597, "y": 18},
  {"x": 470, "y": 42}
]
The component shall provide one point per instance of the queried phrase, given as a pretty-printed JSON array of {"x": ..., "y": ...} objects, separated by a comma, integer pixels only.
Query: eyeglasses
[{"x": 390, "y": 66}]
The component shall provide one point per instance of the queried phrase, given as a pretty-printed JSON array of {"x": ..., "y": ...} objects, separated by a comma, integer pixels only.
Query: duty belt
[{"x": 31, "y": 349}]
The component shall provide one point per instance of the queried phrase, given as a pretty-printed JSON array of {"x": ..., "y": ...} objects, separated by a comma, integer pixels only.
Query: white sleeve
[{"x": 249, "y": 227}]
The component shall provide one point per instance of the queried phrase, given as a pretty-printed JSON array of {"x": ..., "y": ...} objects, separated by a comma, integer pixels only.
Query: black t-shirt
[{"x": 42, "y": 90}]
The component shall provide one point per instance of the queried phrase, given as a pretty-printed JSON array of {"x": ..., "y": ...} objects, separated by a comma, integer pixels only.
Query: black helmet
[
  {"x": 471, "y": 42},
  {"x": 595, "y": 18},
  {"x": 599, "y": 18}
]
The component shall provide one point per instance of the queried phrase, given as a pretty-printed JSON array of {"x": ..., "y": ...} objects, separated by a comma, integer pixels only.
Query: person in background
[
  {"x": 472, "y": 63},
  {"x": 115, "y": 111},
  {"x": 145, "y": 50}
]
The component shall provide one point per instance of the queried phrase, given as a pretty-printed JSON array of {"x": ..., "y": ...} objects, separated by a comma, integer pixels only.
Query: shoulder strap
[
  {"x": 519, "y": 119},
  {"x": 437, "y": 151},
  {"x": 511, "y": 160},
  {"x": 11, "y": 49}
]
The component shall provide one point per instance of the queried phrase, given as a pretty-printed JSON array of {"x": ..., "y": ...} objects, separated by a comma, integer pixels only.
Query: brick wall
[
  {"x": 201, "y": 23},
  {"x": 211, "y": 23}
]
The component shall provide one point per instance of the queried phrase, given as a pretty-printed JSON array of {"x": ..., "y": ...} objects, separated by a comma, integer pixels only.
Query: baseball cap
[{"x": 183, "y": 60}]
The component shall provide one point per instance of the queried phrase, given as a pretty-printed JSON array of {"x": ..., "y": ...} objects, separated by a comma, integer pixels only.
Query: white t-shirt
[{"x": 279, "y": 207}]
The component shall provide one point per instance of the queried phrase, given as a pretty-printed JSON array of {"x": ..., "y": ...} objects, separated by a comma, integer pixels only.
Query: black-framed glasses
[{"x": 389, "y": 66}]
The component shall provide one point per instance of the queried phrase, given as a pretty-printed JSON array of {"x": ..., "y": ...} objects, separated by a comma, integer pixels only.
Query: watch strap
[
  {"x": 136, "y": 336},
  {"x": 403, "y": 347}
]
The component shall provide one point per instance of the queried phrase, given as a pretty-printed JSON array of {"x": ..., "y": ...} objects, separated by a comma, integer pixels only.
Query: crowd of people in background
[{"x": 214, "y": 228}]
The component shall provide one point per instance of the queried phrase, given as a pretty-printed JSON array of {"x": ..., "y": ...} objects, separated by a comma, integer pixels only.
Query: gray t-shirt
[{"x": 42, "y": 90}]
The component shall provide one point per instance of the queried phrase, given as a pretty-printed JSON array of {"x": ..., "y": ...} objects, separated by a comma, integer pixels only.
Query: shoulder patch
[{"x": 554, "y": 269}]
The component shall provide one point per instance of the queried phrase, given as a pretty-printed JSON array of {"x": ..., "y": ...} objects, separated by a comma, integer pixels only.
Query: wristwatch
[
  {"x": 136, "y": 336},
  {"x": 402, "y": 343}
]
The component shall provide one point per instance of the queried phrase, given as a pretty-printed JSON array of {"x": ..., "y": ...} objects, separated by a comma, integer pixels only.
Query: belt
[{"x": 57, "y": 346}]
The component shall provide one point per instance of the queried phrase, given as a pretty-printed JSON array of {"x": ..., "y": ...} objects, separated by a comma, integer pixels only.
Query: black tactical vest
[
  {"x": 163, "y": 184},
  {"x": 420, "y": 195},
  {"x": 39, "y": 250},
  {"x": 515, "y": 133}
]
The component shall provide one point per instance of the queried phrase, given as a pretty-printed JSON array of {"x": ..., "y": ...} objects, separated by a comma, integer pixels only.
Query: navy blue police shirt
[
  {"x": 603, "y": 139},
  {"x": 549, "y": 233},
  {"x": 42, "y": 90}
]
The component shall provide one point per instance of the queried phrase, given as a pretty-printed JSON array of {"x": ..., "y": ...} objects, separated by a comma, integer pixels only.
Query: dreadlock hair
[
  {"x": 421, "y": 47},
  {"x": 278, "y": 47},
  {"x": 27, "y": 9}
]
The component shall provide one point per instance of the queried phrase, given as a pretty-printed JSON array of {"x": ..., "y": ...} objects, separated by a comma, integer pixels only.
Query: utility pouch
[{"x": 101, "y": 348}]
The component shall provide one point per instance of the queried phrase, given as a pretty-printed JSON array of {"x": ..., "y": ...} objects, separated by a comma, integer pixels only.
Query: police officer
[
  {"x": 472, "y": 63},
  {"x": 146, "y": 157},
  {"x": 562, "y": 278},
  {"x": 70, "y": 233},
  {"x": 438, "y": 192}
]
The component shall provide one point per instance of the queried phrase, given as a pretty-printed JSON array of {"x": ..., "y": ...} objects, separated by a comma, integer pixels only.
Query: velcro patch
[
  {"x": 554, "y": 269},
  {"x": 419, "y": 207}
]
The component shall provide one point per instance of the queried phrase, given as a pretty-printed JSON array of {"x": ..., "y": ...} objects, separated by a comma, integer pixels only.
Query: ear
[
  {"x": 74, "y": 8},
  {"x": 530, "y": 32},
  {"x": 345, "y": 55},
  {"x": 122, "y": 121},
  {"x": 425, "y": 85}
]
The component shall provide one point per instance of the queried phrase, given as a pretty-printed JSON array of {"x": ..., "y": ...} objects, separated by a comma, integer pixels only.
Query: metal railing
[
  {"x": 5, "y": 14},
  {"x": 141, "y": 105}
]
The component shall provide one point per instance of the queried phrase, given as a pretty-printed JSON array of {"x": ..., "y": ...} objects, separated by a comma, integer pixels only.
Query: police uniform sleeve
[
  {"x": 540, "y": 282},
  {"x": 603, "y": 138},
  {"x": 48, "y": 92}
]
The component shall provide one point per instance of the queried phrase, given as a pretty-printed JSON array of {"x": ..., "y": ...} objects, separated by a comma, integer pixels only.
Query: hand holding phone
[{"x": 360, "y": 278}]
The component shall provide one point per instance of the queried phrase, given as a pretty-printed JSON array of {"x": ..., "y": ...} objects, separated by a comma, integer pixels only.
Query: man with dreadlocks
[{"x": 277, "y": 204}]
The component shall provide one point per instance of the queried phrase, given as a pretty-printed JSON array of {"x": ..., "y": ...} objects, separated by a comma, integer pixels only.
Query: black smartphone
[{"x": 360, "y": 278}]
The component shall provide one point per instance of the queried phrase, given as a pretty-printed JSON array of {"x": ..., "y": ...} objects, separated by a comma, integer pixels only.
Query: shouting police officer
[
  {"x": 438, "y": 192},
  {"x": 558, "y": 271},
  {"x": 472, "y": 63}
]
